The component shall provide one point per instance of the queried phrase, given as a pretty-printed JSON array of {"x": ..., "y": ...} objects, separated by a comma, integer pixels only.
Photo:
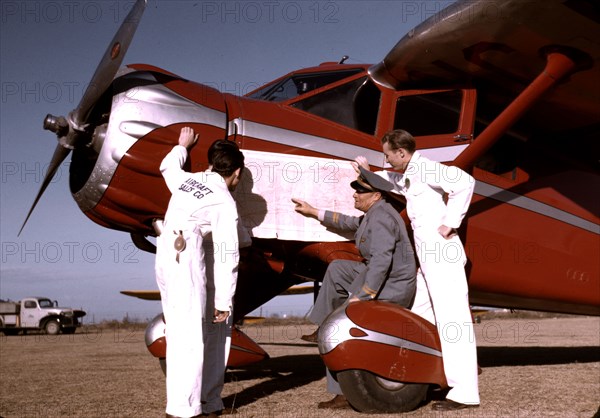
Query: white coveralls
[
  {"x": 200, "y": 206},
  {"x": 442, "y": 293}
]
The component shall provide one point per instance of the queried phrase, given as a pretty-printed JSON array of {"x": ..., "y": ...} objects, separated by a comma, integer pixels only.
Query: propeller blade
[
  {"x": 69, "y": 131},
  {"x": 60, "y": 153},
  {"x": 110, "y": 62}
]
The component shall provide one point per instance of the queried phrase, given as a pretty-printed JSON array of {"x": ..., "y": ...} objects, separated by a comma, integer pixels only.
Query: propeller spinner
[{"x": 74, "y": 131}]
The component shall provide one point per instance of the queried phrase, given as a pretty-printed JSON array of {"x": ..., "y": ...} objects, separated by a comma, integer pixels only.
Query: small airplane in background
[{"x": 506, "y": 90}]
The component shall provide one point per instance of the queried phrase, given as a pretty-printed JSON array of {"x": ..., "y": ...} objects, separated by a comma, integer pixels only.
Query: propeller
[{"x": 74, "y": 130}]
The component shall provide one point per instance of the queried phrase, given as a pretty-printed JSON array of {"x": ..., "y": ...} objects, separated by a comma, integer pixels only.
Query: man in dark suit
[{"x": 387, "y": 273}]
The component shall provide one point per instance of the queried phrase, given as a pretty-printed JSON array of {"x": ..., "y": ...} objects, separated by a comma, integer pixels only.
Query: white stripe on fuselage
[
  {"x": 524, "y": 202},
  {"x": 334, "y": 147}
]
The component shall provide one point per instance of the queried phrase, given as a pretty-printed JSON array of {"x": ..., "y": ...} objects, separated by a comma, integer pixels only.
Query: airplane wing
[
  {"x": 143, "y": 294},
  {"x": 155, "y": 294},
  {"x": 501, "y": 46}
]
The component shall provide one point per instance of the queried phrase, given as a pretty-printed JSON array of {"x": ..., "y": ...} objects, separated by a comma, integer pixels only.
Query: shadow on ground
[
  {"x": 291, "y": 372},
  {"x": 282, "y": 373},
  {"x": 536, "y": 356}
]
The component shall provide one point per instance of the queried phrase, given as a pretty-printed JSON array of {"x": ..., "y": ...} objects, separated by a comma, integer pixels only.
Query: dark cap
[
  {"x": 375, "y": 181},
  {"x": 362, "y": 186}
]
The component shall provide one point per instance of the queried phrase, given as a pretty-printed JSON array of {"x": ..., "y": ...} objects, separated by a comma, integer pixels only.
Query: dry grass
[{"x": 532, "y": 367}]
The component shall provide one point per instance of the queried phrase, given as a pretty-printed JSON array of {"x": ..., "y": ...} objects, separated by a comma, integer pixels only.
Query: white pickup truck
[{"x": 37, "y": 313}]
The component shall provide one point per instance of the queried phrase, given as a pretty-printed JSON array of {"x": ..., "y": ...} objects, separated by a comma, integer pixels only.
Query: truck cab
[{"x": 38, "y": 313}]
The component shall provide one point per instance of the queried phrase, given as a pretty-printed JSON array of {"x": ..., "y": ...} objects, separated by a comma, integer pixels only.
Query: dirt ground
[{"x": 536, "y": 367}]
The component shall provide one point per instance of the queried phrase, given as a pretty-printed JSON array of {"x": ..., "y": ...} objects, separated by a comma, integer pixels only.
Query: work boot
[
  {"x": 338, "y": 402},
  {"x": 311, "y": 338}
]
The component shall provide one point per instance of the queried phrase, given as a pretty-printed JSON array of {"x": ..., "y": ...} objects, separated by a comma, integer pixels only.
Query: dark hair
[
  {"x": 399, "y": 138},
  {"x": 225, "y": 157}
]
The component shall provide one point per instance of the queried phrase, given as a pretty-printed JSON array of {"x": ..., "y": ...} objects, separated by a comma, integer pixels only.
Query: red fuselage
[{"x": 531, "y": 234}]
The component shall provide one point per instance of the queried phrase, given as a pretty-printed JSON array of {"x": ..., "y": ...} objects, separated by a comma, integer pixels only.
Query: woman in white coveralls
[
  {"x": 437, "y": 199},
  {"x": 201, "y": 204}
]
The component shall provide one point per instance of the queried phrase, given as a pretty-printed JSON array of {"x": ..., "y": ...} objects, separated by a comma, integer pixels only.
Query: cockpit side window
[
  {"x": 299, "y": 84},
  {"x": 354, "y": 104},
  {"x": 416, "y": 113}
]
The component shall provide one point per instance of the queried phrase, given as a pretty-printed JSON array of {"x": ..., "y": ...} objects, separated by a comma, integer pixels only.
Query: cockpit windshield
[{"x": 299, "y": 84}]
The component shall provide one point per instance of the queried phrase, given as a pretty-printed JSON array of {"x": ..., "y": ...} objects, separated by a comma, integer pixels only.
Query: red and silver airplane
[{"x": 510, "y": 93}]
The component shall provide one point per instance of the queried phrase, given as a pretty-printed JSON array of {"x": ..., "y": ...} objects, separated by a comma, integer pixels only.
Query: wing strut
[{"x": 558, "y": 65}]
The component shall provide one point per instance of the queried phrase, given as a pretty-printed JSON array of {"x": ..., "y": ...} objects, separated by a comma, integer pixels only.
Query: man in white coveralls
[
  {"x": 201, "y": 204},
  {"x": 437, "y": 199}
]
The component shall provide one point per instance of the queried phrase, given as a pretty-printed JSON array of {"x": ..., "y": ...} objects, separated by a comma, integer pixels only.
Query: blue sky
[{"x": 49, "y": 51}]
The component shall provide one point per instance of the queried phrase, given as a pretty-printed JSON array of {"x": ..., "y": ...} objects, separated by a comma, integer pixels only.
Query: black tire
[
  {"x": 52, "y": 327},
  {"x": 367, "y": 392}
]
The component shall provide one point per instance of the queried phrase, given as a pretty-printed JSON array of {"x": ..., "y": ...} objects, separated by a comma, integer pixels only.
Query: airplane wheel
[
  {"x": 370, "y": 393},
  {"x": 163, "y": 365}
]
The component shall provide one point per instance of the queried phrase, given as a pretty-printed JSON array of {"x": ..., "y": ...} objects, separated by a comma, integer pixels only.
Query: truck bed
[{"x": 7, "y": 307}]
